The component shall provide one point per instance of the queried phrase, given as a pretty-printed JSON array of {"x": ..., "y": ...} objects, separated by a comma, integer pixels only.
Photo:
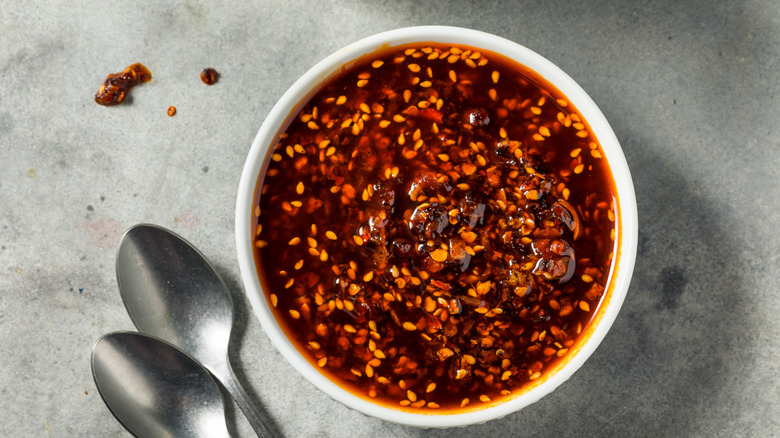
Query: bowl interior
[{"x": 626, "y": 226}]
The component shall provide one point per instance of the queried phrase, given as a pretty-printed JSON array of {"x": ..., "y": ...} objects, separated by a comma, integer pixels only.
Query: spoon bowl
[
  {"x": 171, "y": 291},
  {"x": 154, "y": 389}
]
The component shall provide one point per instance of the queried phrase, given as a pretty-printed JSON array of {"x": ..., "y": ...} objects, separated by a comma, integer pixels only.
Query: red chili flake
[
  {"x": 440, "y": 285},
  {"x": 431, "y": 114}
]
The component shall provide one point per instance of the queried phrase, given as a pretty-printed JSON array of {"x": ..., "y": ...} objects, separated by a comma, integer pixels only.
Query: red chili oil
[
  {"x": 114, "y": 89},
  {"x": 435, "y": 227}
]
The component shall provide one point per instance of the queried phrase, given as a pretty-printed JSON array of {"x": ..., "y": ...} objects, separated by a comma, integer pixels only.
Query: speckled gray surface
[{"x": 690, "y": 88}]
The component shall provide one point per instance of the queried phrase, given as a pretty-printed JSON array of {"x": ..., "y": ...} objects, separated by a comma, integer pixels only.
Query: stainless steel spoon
[
  {"x": 171, "y": 291},
  {"x": 155, "y": 390}
]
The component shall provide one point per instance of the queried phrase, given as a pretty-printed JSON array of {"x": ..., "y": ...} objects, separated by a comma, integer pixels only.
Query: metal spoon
[
  {"x": 155, "y": 390},
  {"x": 171, "y": 291}
]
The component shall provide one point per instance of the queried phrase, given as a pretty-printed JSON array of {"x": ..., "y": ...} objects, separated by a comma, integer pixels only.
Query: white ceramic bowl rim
[{"x": 267, "y": 136}]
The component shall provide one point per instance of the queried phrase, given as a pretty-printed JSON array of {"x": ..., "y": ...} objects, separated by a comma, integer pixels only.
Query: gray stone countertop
[{"x": 692, "y": 90}]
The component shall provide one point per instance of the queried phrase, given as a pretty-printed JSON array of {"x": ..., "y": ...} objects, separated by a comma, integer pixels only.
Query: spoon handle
[{"x": 230, "y": 382}]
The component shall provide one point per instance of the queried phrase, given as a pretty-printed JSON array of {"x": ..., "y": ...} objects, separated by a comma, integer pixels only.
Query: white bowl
[{"x": 626, "y": 226}]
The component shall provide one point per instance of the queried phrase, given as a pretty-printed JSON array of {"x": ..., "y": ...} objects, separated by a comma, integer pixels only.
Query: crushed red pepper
[
  {"x": 115, "y": 87},
  {"x": 435, "y": 227}
]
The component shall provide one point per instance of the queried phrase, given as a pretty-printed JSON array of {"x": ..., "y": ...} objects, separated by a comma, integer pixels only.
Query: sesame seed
[
  {"x": 338, "y": 172},
  {"x": 468, "y": 236},
  {"x": 439, "y": 255},
  {"x": 444, "y": 353}
]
